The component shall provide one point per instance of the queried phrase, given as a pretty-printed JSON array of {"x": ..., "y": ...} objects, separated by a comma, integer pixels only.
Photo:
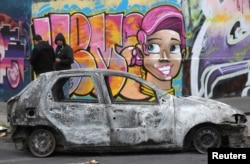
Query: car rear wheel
[
  {"x": 42, "y": 143},
  {"x": 206, "y": 137}
]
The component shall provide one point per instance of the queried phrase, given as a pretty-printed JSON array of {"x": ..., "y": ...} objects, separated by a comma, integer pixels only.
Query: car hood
[
  {"x": 201, "y": 110},
  {"x": 212, "y": 104}
]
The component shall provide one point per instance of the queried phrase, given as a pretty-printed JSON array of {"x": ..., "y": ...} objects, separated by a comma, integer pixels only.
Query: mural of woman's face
[{"x": 163, "y": 54}]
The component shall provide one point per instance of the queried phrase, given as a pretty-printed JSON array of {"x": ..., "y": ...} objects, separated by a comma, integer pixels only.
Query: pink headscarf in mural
[{"x": 156, "y": 19}]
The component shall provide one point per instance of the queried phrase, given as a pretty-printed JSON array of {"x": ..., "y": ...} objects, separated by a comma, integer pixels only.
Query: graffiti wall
[
  {"x": 220, "y": 48},
  {"x": 186, "y": 47},
  {"x": 14, "y": 47},
  {"x": 116, "y": 36}
]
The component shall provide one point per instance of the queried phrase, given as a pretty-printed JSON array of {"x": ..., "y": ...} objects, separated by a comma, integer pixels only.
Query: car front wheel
[
  {"x": 42, "y": 143},
  {"x": 206, "y": 137}
]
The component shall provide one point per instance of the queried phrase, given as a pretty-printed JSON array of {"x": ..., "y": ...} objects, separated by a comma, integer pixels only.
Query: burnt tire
[
  {"x": 42, "y": 143},
  {"x": 206, "y": 137}
]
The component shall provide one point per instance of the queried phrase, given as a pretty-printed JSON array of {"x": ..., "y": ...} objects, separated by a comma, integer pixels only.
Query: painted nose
[{"x": 164, "y": 57}]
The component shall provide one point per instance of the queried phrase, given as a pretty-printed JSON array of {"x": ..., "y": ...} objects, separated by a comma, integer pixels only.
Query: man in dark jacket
[
  {"x": 64, "y": 53},
  {"x": 42, "y": 57},
  {"x": 64, "y": 59}
]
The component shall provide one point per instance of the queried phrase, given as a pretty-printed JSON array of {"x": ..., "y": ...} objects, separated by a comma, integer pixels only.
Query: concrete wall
[{"x": 108, "y": 34}]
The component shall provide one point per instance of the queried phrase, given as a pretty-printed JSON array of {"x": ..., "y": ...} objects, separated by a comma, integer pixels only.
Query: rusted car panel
[{"x": 106, "y": 121}]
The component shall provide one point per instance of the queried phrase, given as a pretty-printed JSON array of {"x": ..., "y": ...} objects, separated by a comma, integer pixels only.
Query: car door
[
  {"x": 140, "y": 121},
  {"x": 80, "y": 114}
]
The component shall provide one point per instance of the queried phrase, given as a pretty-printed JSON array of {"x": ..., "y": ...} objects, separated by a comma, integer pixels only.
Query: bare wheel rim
[
  {"x": 42, "y": 143},
  {"x": 206, "y": 137}
]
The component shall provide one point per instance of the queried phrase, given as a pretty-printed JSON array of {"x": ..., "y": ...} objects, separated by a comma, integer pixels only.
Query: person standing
[
  {"x": 63, "y": 61},
  {"x": 42, "y": 56},
  {"x": 64, "y": 53}
]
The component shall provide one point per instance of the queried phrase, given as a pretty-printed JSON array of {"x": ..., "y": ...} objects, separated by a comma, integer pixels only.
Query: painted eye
[
  {"x": 175, "y": 49},
  {"x": 154, "y": 48}
]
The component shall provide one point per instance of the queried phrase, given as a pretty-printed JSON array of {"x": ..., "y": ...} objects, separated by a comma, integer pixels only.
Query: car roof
[
  {"x": 90, "y": 70},
  {"x": 45, "y": 77},
  {"x": 80, "y": 71}
]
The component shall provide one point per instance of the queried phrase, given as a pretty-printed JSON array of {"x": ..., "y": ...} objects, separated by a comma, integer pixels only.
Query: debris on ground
[
  {"x": 3, "y": 131},
  {"x": 91, "y": 162}
]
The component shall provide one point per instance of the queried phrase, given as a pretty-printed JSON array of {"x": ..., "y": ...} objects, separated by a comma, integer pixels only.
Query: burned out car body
[{"x": 95, "y": 115}]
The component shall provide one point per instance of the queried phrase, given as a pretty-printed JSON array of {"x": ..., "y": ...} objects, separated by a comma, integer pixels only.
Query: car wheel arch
[
  {"x": 60, "y": 139},
  {"x": 26, "y": 131},
  {"x": 188, "y": 140}
]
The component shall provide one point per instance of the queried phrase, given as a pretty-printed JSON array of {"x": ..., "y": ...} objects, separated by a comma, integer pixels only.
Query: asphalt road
[{"x": 9, "y": 155}]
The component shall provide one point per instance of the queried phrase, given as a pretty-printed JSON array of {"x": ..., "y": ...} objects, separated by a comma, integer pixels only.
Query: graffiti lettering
[{"x": 95, "y": 40}]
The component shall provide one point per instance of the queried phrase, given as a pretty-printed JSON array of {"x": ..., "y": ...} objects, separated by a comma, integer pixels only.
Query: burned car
[{"x": 107, "y": 110}]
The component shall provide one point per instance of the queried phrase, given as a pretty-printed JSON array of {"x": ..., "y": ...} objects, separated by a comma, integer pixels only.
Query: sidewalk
[
  {"x": 3, "y": 114},
  {"x": 3, "y": 120},
  {"x": 242, "y": 103}
]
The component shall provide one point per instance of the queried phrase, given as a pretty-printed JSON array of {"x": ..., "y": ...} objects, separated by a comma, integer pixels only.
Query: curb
[{"x": 6, "y": 139}]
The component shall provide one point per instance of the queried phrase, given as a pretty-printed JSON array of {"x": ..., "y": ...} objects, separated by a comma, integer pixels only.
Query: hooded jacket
[
  {"x": 42, "y": 58},
  {"x": 64, "y": 53}
]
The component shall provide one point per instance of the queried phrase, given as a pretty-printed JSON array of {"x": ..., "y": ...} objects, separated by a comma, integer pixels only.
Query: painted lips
[{"x": 164, "y": 70}]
